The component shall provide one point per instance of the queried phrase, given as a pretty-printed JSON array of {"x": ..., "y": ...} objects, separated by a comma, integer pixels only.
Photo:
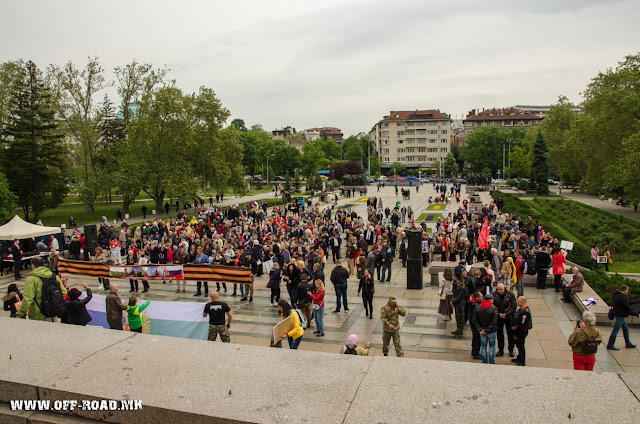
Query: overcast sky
[{"x": 342, "y": 63}]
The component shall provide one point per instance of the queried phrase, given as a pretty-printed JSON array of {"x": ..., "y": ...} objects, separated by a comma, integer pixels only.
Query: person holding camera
[{"x": 584, "y": 341}]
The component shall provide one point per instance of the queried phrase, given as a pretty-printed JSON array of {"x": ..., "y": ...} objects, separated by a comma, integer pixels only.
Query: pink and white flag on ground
[{"x": 483, "y": 238}]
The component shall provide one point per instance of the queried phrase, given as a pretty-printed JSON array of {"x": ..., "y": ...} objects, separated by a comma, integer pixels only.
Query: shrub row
[{"x": 605, "y": 285}]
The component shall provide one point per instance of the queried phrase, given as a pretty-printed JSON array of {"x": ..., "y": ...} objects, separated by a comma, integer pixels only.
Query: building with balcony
[
  {"x": 415, "y": 138},
  {"x": 330, "y": 132}
]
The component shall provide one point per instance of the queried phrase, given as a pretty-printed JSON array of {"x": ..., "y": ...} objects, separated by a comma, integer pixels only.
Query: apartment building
[
  {"x": 506, "y": 118},
  {"x": 542, "y": 111},
  {"x": 415, "y": 138}
]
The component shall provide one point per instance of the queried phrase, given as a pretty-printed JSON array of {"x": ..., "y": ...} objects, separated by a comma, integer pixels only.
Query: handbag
[
  {"x": 610, "y": 314},
  {"x": 315, "y": 307},
  {"x": 443, "y": 296}
]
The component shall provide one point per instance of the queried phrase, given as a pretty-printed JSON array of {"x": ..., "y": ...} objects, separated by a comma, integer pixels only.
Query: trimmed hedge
[
  {"x": 581, "y": 224},
  {"x": 605, "y": 285}
]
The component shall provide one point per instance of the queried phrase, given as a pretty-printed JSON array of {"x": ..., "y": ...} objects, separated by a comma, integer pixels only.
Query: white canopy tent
[{"x": 18, "y": 228}]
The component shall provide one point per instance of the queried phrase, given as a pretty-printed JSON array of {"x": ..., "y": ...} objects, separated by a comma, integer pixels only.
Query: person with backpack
[
  {"x": 584, "y": 341},
  {"x": 43, "y": 297},
  {"x": 352, "y": 348},
  {"x": 77, "y": 308},
  {"x": 12, "y": 299},
  {"x": 298, "y": 320}
]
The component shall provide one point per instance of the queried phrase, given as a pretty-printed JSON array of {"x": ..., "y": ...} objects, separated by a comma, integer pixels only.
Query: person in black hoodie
[
  {"x": 76, "y": 308},
  {"x": 12, "y": 299},
  {"x": 486, "y": 322},
  {"x": 621, "y": 310}
]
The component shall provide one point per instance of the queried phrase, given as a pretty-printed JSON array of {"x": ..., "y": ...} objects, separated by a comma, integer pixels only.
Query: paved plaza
[{"x": 423, "y": 333}]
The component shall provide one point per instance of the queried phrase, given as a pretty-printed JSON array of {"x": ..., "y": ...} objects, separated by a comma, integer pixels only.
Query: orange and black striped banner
[{"x": 213, "y": 273}]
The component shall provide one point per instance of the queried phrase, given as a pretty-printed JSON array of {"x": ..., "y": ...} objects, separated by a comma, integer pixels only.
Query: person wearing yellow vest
[{"x": 133, "y": 310}]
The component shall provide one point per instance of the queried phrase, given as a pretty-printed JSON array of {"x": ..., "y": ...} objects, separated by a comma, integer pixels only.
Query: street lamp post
[{"x": 268, "y": 156}]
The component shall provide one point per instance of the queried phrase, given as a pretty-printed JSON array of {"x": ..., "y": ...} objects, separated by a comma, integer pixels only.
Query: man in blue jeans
[
  {"x": 486, "y": 322},
  {"x": 387, "y": 259},
  {"x": 621, "y": 310},
  {"x": 339, "y": 277}
]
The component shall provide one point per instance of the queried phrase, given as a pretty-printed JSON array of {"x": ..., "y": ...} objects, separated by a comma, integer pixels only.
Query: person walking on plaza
[
  {"x": 584, "y": 341},
  {"x": 367, "y": 288},
  {"x": 114, "y": 308},
  {"x": 216, "y": 311},
  {"x": 520, "y": 326},
  {"x": 296, "y": 333},
  {"x": 391, "y": 326},
  {"x": 133, "y": 314},
  {"x": 458, "y": 301},
  {"x": 339, "y": 277},
  {"x": 32, "y": 296},
  {"x": 486, "y": 322},
  {"x": 318, "y": 307},
  {"x": 621, "y": 310},
  {"x": 505, "y": 301},
  {"x": 387, "y": 260}
]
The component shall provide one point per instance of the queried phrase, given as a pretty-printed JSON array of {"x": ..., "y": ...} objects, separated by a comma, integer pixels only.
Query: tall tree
[
  {"x": 9, "y": 72},
  {"x": 450, "y": 165},
  {"x": 35, "y": 158},
  {"x": 555, "y": 129},
  {"x": 540, "y": 166},
  {"x": 239, "y": 125},
  {"x": 78, "y": 90},
  {"x": 134, "y": 79},
  {"x": 8, "y": 200}
]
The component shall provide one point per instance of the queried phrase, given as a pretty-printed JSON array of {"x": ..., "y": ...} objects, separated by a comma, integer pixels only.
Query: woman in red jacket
[
  {"x": 558, "y": 267},
  {"x": 318, "y": 308}
]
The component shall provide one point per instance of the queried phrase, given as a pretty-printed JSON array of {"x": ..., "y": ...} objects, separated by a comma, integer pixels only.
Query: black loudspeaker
[
  {"x": 414, "y": 274},
  {"x": 91, "y": 236},
  {"x": 414, "y": 250}
]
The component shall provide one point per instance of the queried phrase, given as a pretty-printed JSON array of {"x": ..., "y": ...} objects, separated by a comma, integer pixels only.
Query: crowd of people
[{"x": 297, "y": 239}]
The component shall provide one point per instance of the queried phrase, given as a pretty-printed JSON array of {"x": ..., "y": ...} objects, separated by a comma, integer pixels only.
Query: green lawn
[
  {"x": 61, "y": 214},
  {"x": 429, "y": 217},
  {"x": 631, "y": 267}
]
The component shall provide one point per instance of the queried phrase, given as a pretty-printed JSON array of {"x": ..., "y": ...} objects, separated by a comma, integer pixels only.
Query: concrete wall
[{"x": 180, "y": 381}]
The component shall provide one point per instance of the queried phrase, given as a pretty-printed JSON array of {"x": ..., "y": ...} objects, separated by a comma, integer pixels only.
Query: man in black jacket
[
  {"x": 486, "y": 321},
  {"x": 505, "y": 301},
  {"x": 339, "y": 277},
  {"x": 303, "y": 298},
  {"x": 520, "y": 325},
  {"x": 74, "y": 248},
  {"x": 17, "y": 259},
  {"x": 458, "y": 302}
]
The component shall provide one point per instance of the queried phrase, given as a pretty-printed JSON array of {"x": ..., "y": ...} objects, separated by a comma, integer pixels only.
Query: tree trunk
[
  {"x": 25, "y": 209},
  {"x": 90, "y": 208}
]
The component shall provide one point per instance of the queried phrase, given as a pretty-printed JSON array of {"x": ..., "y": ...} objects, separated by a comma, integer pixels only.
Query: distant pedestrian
[
  {"x": 594, "y": 256},
  {"x": 216, "y": 311},
  {"x": 144, "y": 212}
]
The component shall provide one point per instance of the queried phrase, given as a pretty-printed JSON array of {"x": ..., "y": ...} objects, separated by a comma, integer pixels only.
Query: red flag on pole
[{"x": 483, "y": 238}]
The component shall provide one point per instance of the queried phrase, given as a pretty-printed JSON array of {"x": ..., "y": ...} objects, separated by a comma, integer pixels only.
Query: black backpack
[
  {"x": 52, "y": 300},
  {"x": 350, "y": 350}
]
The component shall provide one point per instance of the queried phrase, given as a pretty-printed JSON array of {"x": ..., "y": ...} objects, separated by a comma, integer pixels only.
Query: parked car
[
  {"x": 278, "y": 178},
  {"x": 553, "y": 182},
  {"x": 382, "y": 178}
]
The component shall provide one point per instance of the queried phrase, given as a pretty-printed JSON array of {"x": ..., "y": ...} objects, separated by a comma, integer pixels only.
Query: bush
[
  {"x": 573, "y": 221},
  {"x": 523, "y": 184},
  {"x": 511, "y": 182},
  {"x": 605, "y": 285}
]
